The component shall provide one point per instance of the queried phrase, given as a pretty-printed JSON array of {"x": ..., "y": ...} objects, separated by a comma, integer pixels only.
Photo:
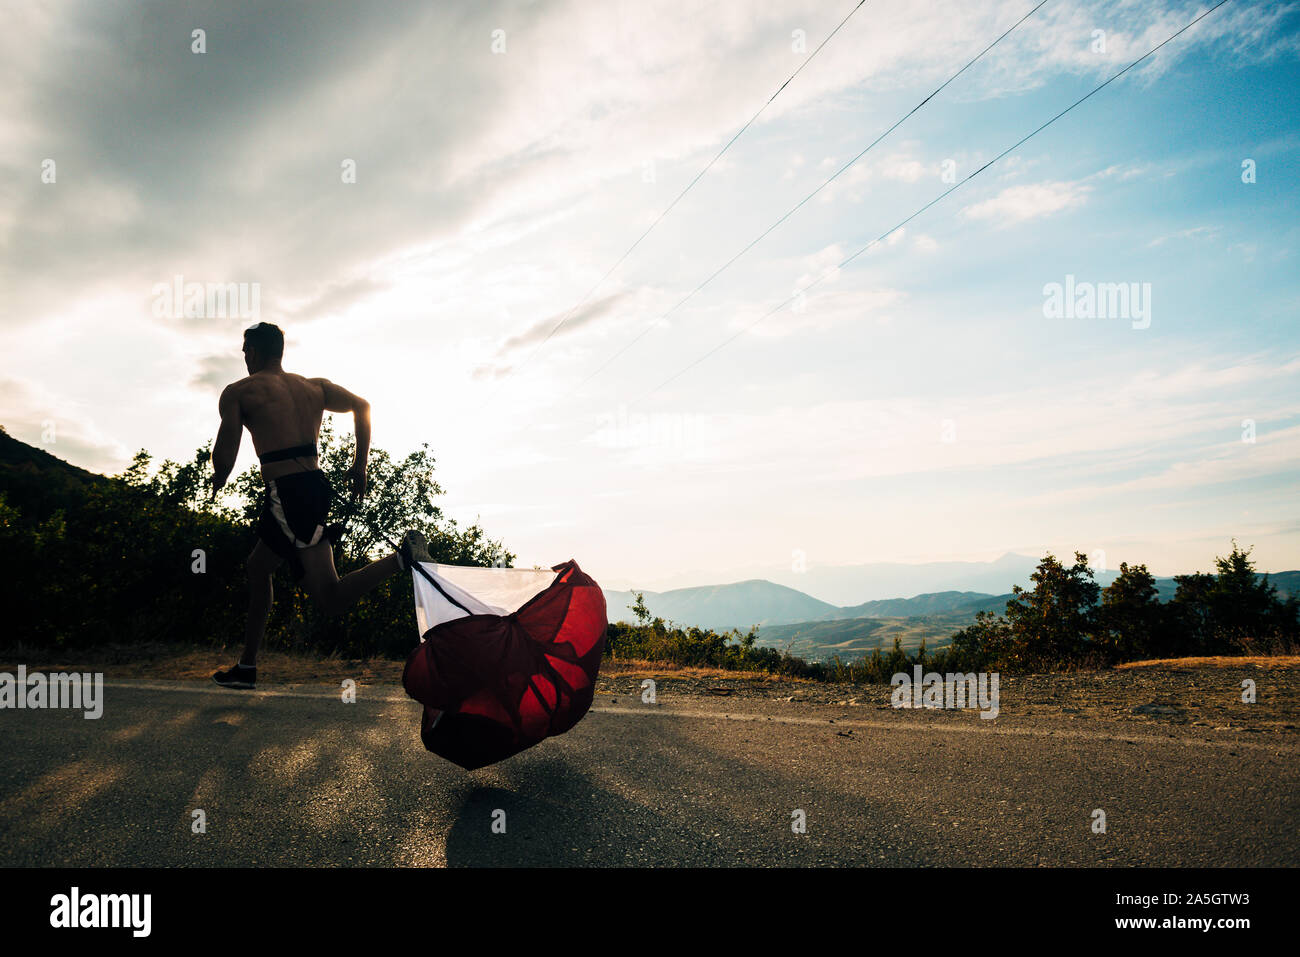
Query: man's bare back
[
  {"x": 283, "y": 411},
  {"x": 280, "y": 409}
]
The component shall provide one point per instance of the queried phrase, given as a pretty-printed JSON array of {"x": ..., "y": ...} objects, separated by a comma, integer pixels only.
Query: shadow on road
[
  {"x": 500, "y": 827},
  {"x": 549, "y": 813}
]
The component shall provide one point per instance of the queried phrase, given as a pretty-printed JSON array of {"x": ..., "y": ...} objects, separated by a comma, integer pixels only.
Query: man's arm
[
  {"x": 339, "y": 399},
  {"x": 226, "y": 448}
]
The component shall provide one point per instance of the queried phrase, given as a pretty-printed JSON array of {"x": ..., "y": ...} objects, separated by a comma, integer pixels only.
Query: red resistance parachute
[{"x": 508, "y": 657}]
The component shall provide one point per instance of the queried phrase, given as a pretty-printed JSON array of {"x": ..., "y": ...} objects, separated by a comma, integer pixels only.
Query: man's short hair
[{"x": 266, "y": 338}]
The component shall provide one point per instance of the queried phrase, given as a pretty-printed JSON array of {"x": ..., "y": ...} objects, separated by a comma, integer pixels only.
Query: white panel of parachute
[{"x": 471, "y": 590}]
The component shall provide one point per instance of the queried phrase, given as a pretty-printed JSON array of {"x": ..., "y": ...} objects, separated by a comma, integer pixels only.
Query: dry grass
[
  {"x": 1217, "y": 661},
  {"x": 637, "y": 668}
]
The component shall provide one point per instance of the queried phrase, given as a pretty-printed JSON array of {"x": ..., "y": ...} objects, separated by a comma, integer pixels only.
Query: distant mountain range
[
  {"x": 844, "y": 585},
  {"x": 765, "y": 603},
  {"x": 814, "y": 629},
  {"x": 848, "y": 586},
  {"x": 737, "y": 605},
  {"x": 934, "y": 603}
]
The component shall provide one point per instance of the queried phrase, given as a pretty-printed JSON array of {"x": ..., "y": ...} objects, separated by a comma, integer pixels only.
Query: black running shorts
[{"x": 294, "y": 510}]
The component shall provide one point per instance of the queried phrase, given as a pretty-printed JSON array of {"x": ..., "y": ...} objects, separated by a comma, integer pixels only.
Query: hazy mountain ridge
[
  {"x": 759, "y": 602},
  {"x": 737, "y": 605},
  {"x": 933, "y": 603},
  {"x": 846, "y": 585},
  {"x": 848, "y": 631}
]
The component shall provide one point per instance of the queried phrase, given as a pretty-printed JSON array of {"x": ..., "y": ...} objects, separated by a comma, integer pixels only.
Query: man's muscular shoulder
[
  {"x": 236, "y": 391},
  {"x": 231, "y": 403},
  {"x": 339, "y": 399}
]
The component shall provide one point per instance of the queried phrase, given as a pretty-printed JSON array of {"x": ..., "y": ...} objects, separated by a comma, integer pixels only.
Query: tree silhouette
[
  {"x": 1131, "y": 616},
  {"x": 1053, "y": 622}
]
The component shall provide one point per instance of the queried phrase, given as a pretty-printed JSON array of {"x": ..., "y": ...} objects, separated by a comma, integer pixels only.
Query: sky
[{"x": 419, "y": 194}]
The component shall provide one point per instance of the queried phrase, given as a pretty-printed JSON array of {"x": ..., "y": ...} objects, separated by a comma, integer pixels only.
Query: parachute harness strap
[
  {"x": 559, "y": 682},
  {"x": 351, "y": 513}
]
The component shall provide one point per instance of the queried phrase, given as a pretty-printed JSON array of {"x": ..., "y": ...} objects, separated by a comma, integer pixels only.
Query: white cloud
[
  {"x": 1114, "y": 427},
  {"x": 493, "y": 191},
  {"x": 824, "y": 309},
  {"x": 64, "y": 428},
  {"x": 1275, "y": 452},
  {"x": 1019, "y": 204},
  {"x": 1193, "y": 232},
  {"x": 904, "y": 169}
]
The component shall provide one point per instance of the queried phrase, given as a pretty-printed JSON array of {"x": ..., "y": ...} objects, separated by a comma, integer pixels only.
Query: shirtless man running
[{"x": 283, "y": 411}]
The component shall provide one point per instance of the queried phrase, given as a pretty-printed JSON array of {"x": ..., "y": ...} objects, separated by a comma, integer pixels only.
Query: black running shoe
[
  {"x": 238, "y": 676},
  {"x": 413, "y": 549}
]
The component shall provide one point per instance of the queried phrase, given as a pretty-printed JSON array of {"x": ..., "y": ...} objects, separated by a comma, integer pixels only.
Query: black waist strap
[{"x": 280, "y": 455}]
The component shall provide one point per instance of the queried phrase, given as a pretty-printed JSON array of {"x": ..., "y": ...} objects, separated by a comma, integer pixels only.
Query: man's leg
[
  {"x": 262, "y": 563},
  {"x": 336, "y": 595}
]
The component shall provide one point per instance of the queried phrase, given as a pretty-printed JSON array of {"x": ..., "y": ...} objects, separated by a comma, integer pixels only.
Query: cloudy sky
[{"x": 420, "y": 193}]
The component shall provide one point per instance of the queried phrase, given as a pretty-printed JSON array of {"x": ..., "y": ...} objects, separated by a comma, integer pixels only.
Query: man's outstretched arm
[
  {"x": 226, "y": 448},
  {"x": 339, "y": 399}
]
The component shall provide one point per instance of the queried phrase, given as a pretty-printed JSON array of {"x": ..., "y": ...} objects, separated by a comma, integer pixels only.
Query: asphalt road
[{"x": 297, "y": 777}]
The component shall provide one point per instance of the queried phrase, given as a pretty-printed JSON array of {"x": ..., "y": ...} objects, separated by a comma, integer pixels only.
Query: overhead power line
[
  {"x": 931, "y": 203},
  {"x": 698, "y": 176},
  {"x": 797, "y": 206}
]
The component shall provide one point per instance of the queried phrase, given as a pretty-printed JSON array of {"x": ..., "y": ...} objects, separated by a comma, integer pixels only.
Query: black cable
[
  {"x": 568, "y": 315},
  {"x": 644, "y": 332},
  {"x": 932, "y": 202}
]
